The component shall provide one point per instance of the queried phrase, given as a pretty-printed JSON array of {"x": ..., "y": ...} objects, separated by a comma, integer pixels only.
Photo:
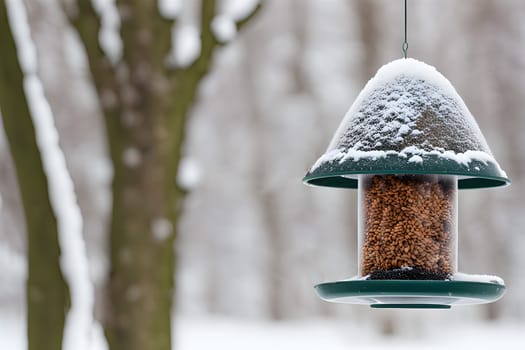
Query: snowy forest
[{"x": 151, "y": 164}]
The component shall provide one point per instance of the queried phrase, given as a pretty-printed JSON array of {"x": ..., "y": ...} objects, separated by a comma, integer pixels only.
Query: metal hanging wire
[{"x": 405, "y": 43}]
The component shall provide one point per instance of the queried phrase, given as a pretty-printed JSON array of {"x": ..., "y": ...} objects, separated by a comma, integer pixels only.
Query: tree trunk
[
  {"x": 142, "y": 265},
  {"x": 145, "y": 105},
  {"x": 47, "y": 293}
]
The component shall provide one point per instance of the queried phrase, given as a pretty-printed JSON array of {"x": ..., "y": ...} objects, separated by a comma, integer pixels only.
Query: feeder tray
[
  {"x": 408, "y": 143},
  {"x": 410, "y": 294}
]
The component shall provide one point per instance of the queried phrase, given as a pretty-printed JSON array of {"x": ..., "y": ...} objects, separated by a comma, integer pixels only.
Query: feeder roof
[{"x": 408, "y": 119}]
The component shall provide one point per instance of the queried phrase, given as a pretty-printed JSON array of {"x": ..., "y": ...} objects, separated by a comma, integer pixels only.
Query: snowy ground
[
  {"x": 231, "y": 334},
  {"x": 237, "y": 335}
]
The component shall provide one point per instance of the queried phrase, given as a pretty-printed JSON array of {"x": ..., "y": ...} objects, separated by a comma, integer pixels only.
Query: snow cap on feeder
[{"x": 408, "y": 119}]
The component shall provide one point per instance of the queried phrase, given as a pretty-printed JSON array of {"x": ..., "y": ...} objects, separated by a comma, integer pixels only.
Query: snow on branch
[
  {"x": 170, "y": 8},
  {"x": 80, "y": 326},
  {"x": 215, "y": 30},
  {"x": 109, "y": 36},
  {"x": 226, "y": 26},
  {"x": 104, "y": 17},
  {"x": 86, "y": 22}
]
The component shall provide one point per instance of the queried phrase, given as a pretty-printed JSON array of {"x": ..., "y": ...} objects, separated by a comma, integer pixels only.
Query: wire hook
[{"x": 405, "y": 43}]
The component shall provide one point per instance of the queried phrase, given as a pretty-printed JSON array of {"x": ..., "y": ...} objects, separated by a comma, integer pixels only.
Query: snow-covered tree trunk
[
  {"x": 145, "y": 103},
  {"x": 47, "y": 293}
]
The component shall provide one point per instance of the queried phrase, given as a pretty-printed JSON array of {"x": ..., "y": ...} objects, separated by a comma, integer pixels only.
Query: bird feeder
[{"x": 408, "y": 144}]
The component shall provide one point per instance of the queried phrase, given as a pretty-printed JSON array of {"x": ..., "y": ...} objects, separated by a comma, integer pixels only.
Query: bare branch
[
  {"x": 84, "y": 19},
  {"x": 240, "y": 23},
  {"x": 209, "y": 40},
  {"x": 145, "y": 33},
  {"x": 87, "y": 23}
]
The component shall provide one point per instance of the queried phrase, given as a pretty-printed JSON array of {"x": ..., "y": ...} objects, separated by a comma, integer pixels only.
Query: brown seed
[{"x": 408, "y": 221}]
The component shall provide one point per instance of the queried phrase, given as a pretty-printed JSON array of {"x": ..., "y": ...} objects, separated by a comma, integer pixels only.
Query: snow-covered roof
[
  {"x": 410, "y": 113},
  {"x": 409, "y": 104}
]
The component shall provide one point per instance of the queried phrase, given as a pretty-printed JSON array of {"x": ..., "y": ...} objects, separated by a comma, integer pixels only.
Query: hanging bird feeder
[{"x": 407, "y": 144}]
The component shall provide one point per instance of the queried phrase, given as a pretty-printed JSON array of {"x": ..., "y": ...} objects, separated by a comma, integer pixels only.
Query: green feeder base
[{"x": 410, "y": 294}]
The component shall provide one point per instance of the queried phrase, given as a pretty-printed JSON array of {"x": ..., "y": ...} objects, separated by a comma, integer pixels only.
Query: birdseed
[{"x": 408, "y": 226}]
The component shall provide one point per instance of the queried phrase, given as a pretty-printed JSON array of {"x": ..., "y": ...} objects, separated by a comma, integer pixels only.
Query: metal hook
[{"x": 405, "y": 43}]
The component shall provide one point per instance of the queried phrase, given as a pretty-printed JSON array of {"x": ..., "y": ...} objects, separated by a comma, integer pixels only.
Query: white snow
[
  {"x": 355, "y": 278},
  {"x": 413, "y": 152},
  {"x": 403, "y": 130},
  {"x": 200, "y": 334},
  {"x": 170, "y": 8},
  {"x": 329, "y": 157},
  {"x": 18, "y": 22},
  {"x": 186, "y": 34},
  {"x": 79, "y": 328},
  {"x": 415, "y": 159},
  {"x": 459, "y": 276},
  {"x": 230, "y": 11},
  {"x": 237, "y": 334},
  {"x": 189, "y": 173},
  {"x": 187, "y": 45},
  {"x": 224, "y": 28},
  {"x": 109, "y": 36},
  {"x": 357, "y": 154},
  {"x": 238, "y": 9}
]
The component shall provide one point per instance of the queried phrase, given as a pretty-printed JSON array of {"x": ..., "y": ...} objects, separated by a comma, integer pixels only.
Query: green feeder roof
[{"x": 408, "y": 119}]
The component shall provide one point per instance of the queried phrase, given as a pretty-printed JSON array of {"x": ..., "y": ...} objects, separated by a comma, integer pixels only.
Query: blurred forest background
[{"x": 252, "y": 240}]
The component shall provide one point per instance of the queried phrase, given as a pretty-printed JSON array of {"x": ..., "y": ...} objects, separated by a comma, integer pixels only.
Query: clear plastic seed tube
[{"x": 407, "y": 226}]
